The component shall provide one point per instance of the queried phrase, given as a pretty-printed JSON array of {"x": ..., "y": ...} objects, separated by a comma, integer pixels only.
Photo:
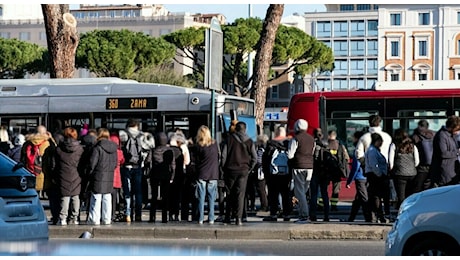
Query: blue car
[{"x": 22, "y": 216}]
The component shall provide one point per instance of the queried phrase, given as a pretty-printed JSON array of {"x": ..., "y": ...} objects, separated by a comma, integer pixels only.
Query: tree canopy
[
  {"x": 19, "y": 57},
  {"x": 112, "y": 53},
  {"x": 301, "y": 51}
]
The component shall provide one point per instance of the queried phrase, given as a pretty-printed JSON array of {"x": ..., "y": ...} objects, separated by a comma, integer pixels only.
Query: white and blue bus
[{"x": 110, "y": 102}]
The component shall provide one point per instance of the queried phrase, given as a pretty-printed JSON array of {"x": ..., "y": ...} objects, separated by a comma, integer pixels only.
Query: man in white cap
[{"x": 300, "y": 153}]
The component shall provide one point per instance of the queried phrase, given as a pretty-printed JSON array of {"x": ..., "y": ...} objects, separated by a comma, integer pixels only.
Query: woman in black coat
[
  {"x": 67, "y": 158},
  {"x": 102, "y": 164}
]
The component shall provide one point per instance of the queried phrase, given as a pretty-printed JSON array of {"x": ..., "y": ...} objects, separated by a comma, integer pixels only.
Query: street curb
[{"x": 253, "y": 231}]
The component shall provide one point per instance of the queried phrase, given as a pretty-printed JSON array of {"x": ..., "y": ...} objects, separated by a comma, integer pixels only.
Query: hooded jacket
[
  {"x": 238, "y": 154},
  {"x": 67, "y": 159},
  {"x": 163, "y": 161},
  {"x": 102, "y": 166}
]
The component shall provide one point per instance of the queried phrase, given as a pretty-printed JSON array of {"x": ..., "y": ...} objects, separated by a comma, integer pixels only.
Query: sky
[{"x": 234, "y": 11}]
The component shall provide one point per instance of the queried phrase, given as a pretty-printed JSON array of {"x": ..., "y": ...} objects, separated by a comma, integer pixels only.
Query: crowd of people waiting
[{"x": 112, "y": 175}]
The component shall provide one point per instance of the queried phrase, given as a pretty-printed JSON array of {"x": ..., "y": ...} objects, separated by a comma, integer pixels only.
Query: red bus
[{"x": 400, "y": 104}]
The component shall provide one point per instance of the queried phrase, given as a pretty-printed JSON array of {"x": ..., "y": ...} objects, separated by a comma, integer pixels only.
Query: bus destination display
[{"x": 131, "y": 103}]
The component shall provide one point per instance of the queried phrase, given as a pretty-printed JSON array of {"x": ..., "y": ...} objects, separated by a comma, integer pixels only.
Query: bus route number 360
[{"x": 131, "y": 103}]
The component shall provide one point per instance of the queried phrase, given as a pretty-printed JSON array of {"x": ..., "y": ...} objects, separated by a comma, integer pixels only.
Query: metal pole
[
  {"x": 213, "y": 114},
  {"x": 249, "y": 55}
]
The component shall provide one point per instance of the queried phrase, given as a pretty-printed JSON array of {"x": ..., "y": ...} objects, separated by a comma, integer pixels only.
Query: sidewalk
[{"x": 254, "y": 228}]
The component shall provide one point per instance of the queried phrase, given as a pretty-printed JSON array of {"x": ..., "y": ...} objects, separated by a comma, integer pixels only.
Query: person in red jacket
[{"x": 116, "y": 176}]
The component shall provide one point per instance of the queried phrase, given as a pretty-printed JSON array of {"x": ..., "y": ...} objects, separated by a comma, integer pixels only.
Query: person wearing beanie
[{"x": 300, "y": 154}]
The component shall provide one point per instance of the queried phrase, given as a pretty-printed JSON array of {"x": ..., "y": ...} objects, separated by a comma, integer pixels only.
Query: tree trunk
[
  {"x": 62, "y": 39},
  {"x": 263, "y": 59}
]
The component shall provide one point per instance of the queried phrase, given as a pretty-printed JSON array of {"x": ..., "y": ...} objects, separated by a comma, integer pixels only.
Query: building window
[
  {"x": 42, "y": 36},
  {"x": 323, "y": 84},
  {"x": 24, "y": 36},
  {"x": 165, "y": 31},
  {"x": 5, "y": 35},
  {"x": 372, "y": 67},
  {"x": 422, "y": 48},
  {"x": 340, "y": 84},
  {"x": 357, "y": 48},
  {"x": 395, "y": 19},
  {"x": 458, "y": 17},
  {"x": 274, "y": 92},
  {"x": 458, "y": 75},
  {"x": 147, "y": 32},
  {"x": 323, "y": 29},
  {"x": 356, "y": 83},
  {"x": 358, "y": 28},
  {"x": 372, "y": 47},
  {"x": 422, "y": 76},
  {"x": 376, "y": 7},
  {"x": 341, "y": 67},
  {"x": 340, "y": 29},
  {"x": 423, "y": 18},
  {"x": 340, "y": 48},
  {"x": 328, "y": 43},
  {"x": 372, "y": 28},
  {"x": 458, "y": 47},
  {"x": 1, "y": 11},
  {"x": 357, "y": 67},
  {"x": 394, "y": 49},
  {"x": 394, "y": 77},
  {"x": 422, "y": 45},
  {"x": 363, "y": 7},
  {"x": 347, "y": 7}
]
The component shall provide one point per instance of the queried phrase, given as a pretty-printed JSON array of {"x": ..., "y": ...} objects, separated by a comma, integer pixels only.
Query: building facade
[
  {"x": 351, "y": 30},
  {"x": 419, "y": 42}
]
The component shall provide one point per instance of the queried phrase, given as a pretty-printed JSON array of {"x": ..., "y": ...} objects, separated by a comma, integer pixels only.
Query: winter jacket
[
  {"x": 163, "y": 161},
  {"x": 238, "y": 154},
  {"x": 67, "y": 158},
  {"x": 445, "y": 152},
  {"x": 207, "y": 162},
  {"x": 120, "y": 161},
  {"x": 103, "y": 162}
]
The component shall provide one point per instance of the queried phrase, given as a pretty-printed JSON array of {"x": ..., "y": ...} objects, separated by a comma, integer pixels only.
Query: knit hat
[
  {"x": 300, "y": 125},
  {"x": 19, "y": 139}
]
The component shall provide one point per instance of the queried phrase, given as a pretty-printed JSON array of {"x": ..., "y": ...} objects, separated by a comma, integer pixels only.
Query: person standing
[
  {"x": 102, "y": 164},
  {"x": 131, "y": 170},
  {"x": 238, "y": 158},
  {"x": 116, "y": 177},
  {"x": 161, "y": 175},
  {"x": 376, "y": 171},
  {"x": 423, "y": 140},
  {"x": 336, "y": 149},
  {"x": 41, "y": 139},
  {"x": 277, "y": 184},
  {"x": 364, "y": 143},
  {"x": 403, "y": 161},
  {"x": 445, "y": 153},
  {"x": 300, "y": 152},
  {"x": 67, "y": 159},
  {"x": 319, "y": 180},
  {"x": 177, "y": 186},
  {"x": 207, "y": 165},
  {"x": 357, "y": 175}
]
